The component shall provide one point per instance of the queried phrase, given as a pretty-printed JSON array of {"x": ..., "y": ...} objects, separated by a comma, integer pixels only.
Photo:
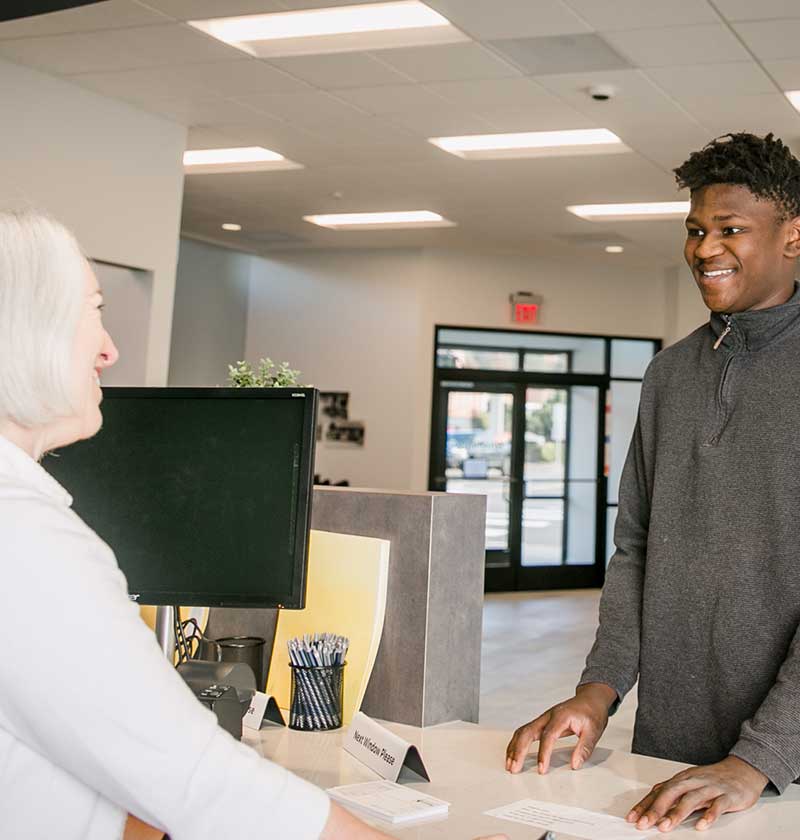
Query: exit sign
[
  {"x": 526, "y": 313},
  {"x": 525, "y": 308}
]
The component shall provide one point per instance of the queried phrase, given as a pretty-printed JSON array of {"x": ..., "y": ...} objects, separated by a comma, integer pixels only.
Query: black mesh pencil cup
[{"x": 317, "y": 694}]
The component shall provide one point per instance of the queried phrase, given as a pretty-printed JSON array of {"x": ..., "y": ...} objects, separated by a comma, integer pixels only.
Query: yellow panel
[{"x": 346, "y": 595}]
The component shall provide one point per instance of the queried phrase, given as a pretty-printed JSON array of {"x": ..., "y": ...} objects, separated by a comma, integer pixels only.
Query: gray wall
[
  {"x": 128, "y": 298},
  {"x": 210, "y": 316}
]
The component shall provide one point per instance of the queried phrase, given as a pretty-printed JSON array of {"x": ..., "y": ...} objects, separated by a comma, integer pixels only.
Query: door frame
[{"x": 514, "y": 576}]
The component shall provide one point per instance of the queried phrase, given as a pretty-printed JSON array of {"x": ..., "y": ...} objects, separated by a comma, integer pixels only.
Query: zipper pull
[{"x": 722, "y": 334}]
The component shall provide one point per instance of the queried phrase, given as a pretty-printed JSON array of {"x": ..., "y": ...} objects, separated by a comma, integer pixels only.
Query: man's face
[{"x": 741, "y": 254}]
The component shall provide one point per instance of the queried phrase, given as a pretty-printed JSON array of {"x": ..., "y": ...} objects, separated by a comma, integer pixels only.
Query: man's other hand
[
  {"x": 584, "y": 715},
  {"x": 715, "y": 789}
]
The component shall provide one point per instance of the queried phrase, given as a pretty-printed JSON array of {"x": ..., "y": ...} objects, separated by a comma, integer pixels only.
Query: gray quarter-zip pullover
[{"x": 702, "y": 596}]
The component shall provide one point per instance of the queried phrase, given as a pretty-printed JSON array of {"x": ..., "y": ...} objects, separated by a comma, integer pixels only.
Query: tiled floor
[{"x": 534, "y": 647}]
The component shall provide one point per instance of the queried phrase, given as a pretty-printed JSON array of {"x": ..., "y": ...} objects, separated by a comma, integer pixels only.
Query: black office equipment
[{"x": 203, "y": 493}]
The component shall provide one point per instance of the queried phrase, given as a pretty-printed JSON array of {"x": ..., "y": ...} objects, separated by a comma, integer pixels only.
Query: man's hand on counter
[
  {"x": 584, "y": 715},
  {"x": 715, "y": 789}
]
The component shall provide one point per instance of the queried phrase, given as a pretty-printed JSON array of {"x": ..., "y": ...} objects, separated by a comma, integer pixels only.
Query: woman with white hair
[{"x": 99, "y": 736}]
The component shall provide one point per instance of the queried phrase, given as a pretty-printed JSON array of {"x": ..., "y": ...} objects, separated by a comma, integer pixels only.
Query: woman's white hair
[{"x": 42, "y": 278}]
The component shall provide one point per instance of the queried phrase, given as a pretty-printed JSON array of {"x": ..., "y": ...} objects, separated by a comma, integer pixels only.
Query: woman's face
[{"x": 92, "y": 351}]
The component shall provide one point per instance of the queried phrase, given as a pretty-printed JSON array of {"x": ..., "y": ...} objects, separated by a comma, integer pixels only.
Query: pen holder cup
[{"x": 317, "y": 694}]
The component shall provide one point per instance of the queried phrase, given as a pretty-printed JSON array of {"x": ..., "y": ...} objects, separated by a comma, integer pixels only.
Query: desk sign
[
  {"x": 384, "y": 752},
  {"x": 262, "y": 707}
]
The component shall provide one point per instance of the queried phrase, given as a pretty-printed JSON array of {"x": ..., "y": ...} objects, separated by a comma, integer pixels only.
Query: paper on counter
[
  {"x": 389, "y": 801},
  {"x": 567, "y": 820}
]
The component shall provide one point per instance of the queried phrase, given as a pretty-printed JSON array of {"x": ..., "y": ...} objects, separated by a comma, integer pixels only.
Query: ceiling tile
[
  {"x": 312, "y": 108},
  {"x": 669, "y": 150},
  {"x": 638, "y": 108},
  {"x": 291, "y": 141},
  {"x": 552, "y": 115},
  {"x": 785, "y": 72},
  {"x": 202, "y": 137},
  {"x": 671, "y": 45},
  {"x": 391, "y": 99},
  {"x": 560, "y": 54},
  {"x": 188, "y": 111},
  {"x": 756, "y": 114},
  {"x": 772, "y": 39},
  {"x": 441, "y": 121},
  {"x": 497, "y": 93},
  {"x": 341, "y": 70},
  {"x": 721, "y": 80},
  {"x": 117, "y": 49},
  {"x": 517, "y": 19},
  {"x": 611, "y": 15},
  {"x": 201, "y": 9},
  {"x": 112, "y": 14},
  {"x": 218, "y": 78},
  {"x": 297, "y": 5},
  {"x": 450, "y": 62},
  {"x": 763, "y": 10}
]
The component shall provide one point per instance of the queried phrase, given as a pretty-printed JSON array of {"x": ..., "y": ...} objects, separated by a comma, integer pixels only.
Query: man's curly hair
[{"x": 762, "y": 164}]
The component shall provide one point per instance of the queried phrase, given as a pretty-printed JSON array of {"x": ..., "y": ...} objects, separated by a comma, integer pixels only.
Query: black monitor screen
[{"x": 202, "y": 493}]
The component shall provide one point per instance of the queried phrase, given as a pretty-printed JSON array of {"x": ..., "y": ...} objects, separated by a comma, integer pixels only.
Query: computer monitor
[{"x": 203, "y": 493}]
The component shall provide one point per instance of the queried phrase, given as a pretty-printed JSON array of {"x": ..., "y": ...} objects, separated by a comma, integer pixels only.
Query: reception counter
[{"x": 465, "y": 762}]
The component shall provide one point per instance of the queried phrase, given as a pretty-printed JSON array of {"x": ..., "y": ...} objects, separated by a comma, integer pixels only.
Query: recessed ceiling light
[
  {"x": 386, "y": 221},
  {"x": 241, "y": 159},
  {"x": 370, "y": 26},
  {"x": 614, "y": 249},
  {"x": 794, "y": 97},
  {"x": 583, "y": 141},
  {"x": 231, "y": 226},
  {"x": 630, "y": 212}
]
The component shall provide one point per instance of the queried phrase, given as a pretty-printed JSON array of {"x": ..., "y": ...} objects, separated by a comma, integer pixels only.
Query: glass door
[
  {"x": 562, "y": 474},
  {"x": 477, "y": 441},
  {"x": 532, "y": 448}
]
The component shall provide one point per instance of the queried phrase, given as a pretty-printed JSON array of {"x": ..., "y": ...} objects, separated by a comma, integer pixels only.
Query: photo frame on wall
[{"x": 335, "y": 427}]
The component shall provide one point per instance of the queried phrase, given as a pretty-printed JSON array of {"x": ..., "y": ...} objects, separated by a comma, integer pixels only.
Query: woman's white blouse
[{"x": 94, "y": 723}]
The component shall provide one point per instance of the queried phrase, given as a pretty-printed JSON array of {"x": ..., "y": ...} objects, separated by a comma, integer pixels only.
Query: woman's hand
[
  {"x": 716, "y": 789},
  {"x": 584, "y": 715},
  {"x": 137, "y": 830}
]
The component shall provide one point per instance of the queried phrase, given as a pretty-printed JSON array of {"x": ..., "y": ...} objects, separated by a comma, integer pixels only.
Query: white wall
[
  {"x": 110, "y": 172},
  {"x": 208, "y": 329},
  {"x": 363, "y": 322},
  {"x": 349, "y": 322}
]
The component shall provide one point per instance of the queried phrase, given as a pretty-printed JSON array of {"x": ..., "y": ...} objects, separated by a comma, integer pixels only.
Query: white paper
[
  {"x": 390, "y": 801},
  {"x": 254, "y": 716},
  {"x": 568, "y": 820}
]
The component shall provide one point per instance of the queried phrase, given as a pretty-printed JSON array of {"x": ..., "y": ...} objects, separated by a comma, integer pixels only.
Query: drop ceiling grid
[{"x": 359, "y": 121}]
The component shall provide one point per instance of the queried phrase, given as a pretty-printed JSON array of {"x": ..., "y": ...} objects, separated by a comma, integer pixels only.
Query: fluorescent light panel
[
  {"x": 371, "y": 26},
  {"x": 404, "y": 220},
  {"x": 653, "y": 210},
  {"x": 794, "y": 97},
  {"x": 231, "y": 226},
  {"x": 591, "y": 141},
  {"x": 241, "y": 159}
]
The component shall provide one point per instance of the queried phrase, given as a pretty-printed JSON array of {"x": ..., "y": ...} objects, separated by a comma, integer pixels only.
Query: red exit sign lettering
[{"x": 526, "y": 313}]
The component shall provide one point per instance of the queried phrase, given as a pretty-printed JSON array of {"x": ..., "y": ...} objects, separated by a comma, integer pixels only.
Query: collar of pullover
[{"x": 756, "y": 328}]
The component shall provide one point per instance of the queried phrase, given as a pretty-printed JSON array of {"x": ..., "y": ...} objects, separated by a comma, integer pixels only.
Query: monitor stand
[{"x": 165, "y": 631}]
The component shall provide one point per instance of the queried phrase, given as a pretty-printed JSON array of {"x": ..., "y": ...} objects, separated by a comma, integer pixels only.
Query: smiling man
[{"x": 702, "y": 598}]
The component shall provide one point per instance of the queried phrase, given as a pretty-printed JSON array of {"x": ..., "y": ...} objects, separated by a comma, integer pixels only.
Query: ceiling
[{"x": 685, "y": 71}]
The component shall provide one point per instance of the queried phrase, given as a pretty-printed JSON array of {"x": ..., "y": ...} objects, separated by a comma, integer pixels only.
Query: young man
[{"x": 702, "y": 597}]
